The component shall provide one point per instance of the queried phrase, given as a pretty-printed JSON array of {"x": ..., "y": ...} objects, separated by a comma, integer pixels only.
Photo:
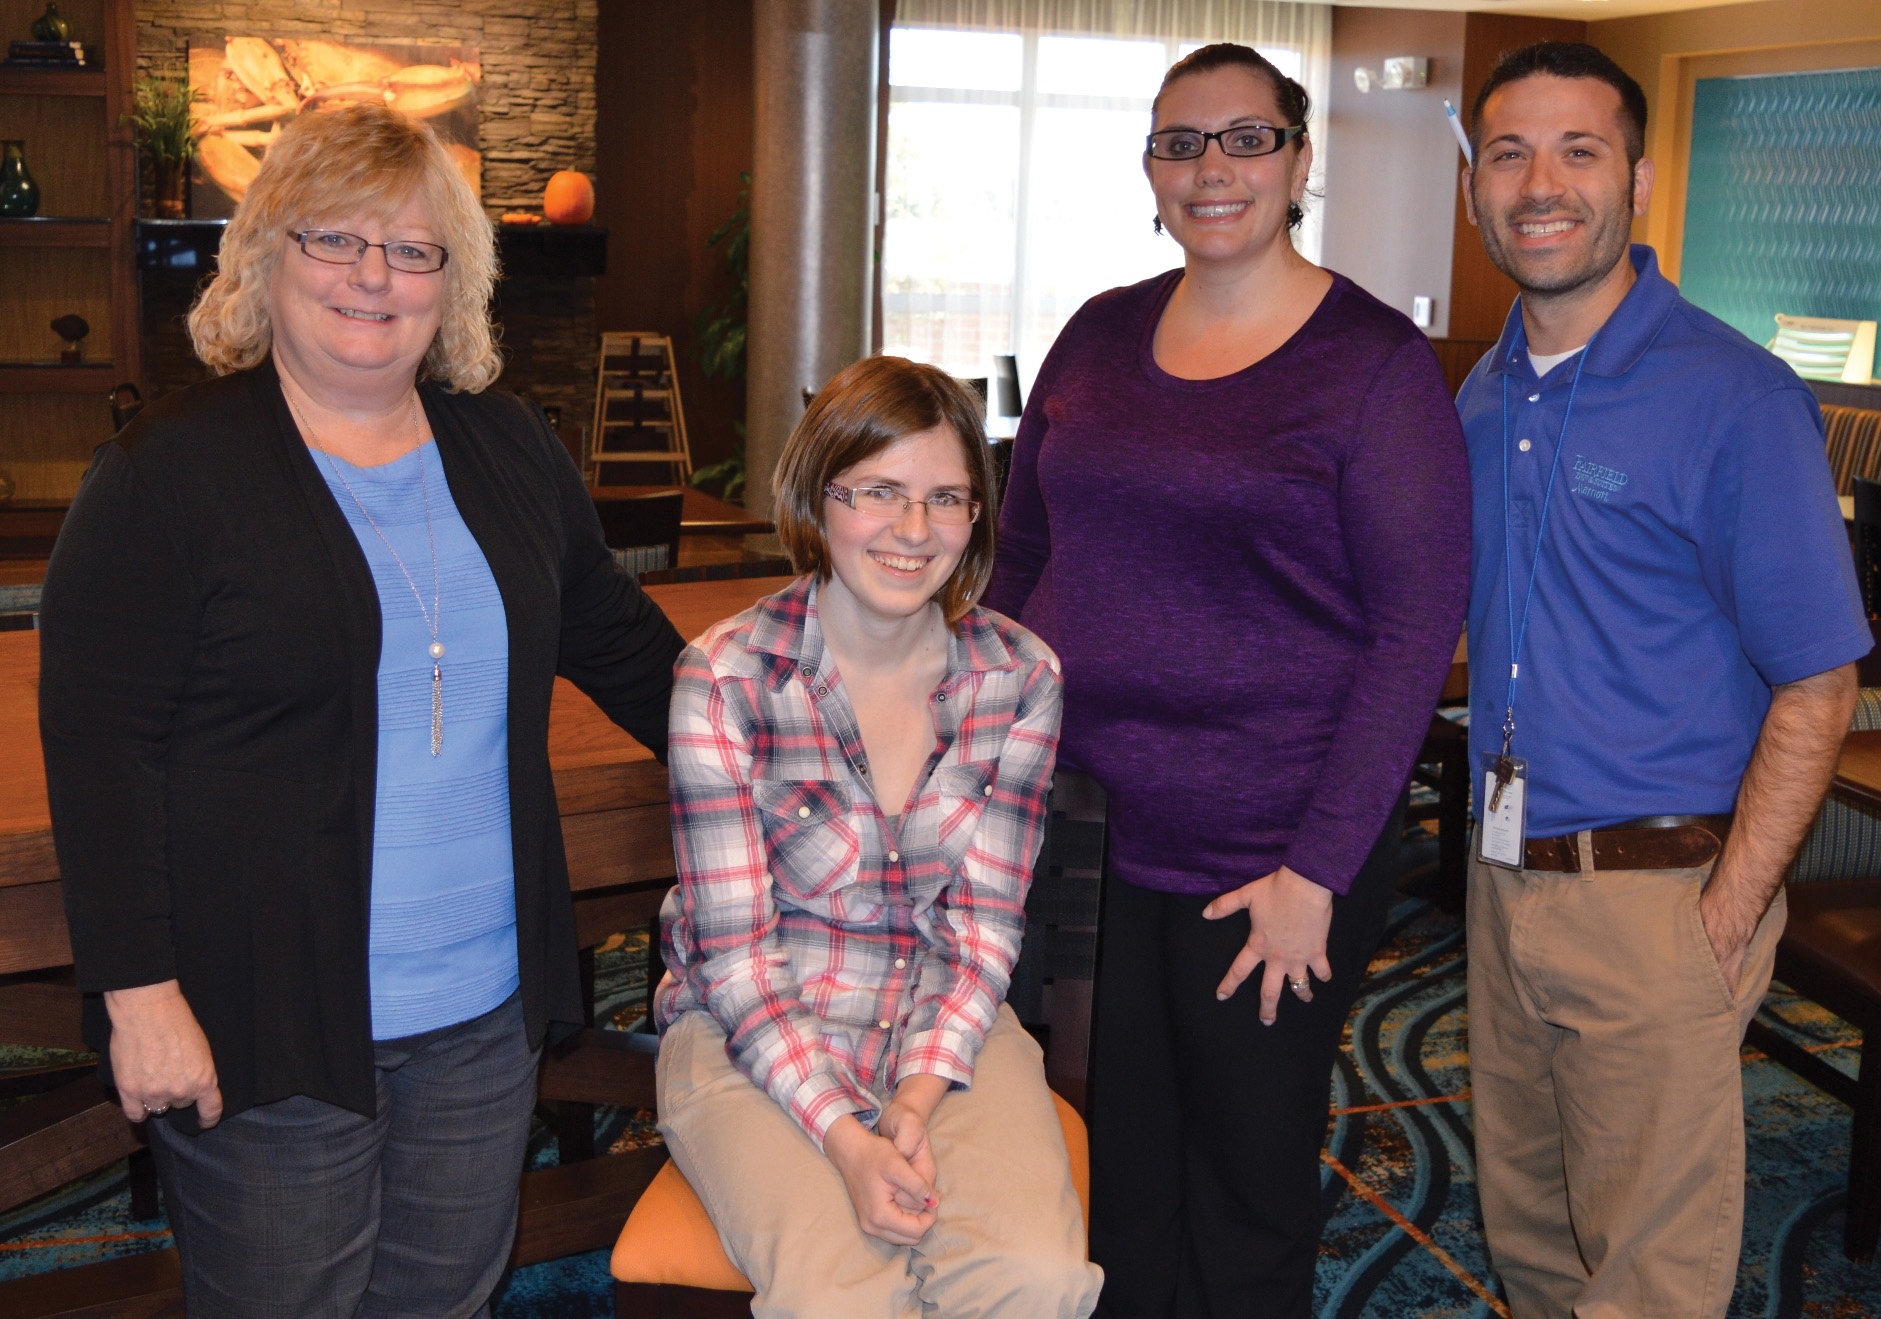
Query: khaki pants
[
  {"x": 1609, "y": 1100},
  {"x": 1010, "y": 1238}
]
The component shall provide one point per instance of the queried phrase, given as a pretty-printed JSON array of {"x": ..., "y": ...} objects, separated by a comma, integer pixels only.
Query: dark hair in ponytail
[{"x": 1294, "y": 103}]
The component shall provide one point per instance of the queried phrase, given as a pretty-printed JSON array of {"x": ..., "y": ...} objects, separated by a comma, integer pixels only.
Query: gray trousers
[{"x": 300, "y": 1208}]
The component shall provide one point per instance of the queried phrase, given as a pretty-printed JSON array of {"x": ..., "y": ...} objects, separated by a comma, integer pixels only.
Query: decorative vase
[
  {"x": 170, "y": 182},
  {"x": 19, "y": 195},
  {"x": 50, "y": 26}
]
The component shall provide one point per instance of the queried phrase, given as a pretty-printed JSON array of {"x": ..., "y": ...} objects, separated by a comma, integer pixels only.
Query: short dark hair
[
  {"x": 1568, "y": 59},
  {"x": 865, "y": 408},
  {"x": 1294, "y": 103}
]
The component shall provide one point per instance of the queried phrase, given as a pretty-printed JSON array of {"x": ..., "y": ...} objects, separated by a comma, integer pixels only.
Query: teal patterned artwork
[{"x": 1783, "y": 201}]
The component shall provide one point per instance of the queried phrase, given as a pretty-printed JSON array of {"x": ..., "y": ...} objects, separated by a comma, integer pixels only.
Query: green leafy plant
[
  {"x": 163, "y": 113},
  {"x": 721, "y": 332}
]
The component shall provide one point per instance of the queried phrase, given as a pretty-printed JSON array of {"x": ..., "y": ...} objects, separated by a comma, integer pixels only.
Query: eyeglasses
[
  {"x": 945, "y": 509},
  {"x": 343, "y": 249},
  {"x": 1243, "y": 141}
]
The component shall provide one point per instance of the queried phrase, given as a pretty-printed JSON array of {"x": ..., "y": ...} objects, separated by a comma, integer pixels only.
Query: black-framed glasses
[
  {"x": 337, "y": 248},
  {"x": 1244, "y": 140},
  {"x": 946, "y": 509}
]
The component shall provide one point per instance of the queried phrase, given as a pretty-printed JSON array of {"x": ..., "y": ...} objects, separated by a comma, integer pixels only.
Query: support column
[{"x": 812, "y": 213}]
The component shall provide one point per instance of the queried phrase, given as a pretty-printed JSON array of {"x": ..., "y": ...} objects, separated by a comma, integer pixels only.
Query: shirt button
[
  {"x": 803, "y": 812},
  {"x": 884, "y": 1025},
  {"x": 1534, "y": 398},
  {"x": 1524, "y": 446},
  {"x": 987, "y": 791},
  {"x": 901, "y": 963},
  {"x": 894, "y": 856},
  {"x": 807, "y": 672},
  {"x": 822, "y": 691}
]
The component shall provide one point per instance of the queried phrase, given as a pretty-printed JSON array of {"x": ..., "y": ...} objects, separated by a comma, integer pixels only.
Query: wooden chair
[
  {"x": 1854, "y": 444},
  {"x": 1831, "y": 953},
  {"x": 668, "y": 1263},
  {"x": 638, "y": 416},
  {"x": 1443, "y": 765},
  {"x": 642, "y": 530}
]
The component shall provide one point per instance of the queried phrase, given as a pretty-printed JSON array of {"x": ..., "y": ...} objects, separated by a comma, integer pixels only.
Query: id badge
[{"x": 1502, "y": 837}]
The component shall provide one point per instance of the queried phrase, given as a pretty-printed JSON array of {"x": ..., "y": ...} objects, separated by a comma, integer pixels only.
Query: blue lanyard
[{"x": 1518, "y": 633}]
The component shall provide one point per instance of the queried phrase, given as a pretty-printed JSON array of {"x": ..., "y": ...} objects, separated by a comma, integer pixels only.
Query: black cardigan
[{"x": 208, "y": 705}]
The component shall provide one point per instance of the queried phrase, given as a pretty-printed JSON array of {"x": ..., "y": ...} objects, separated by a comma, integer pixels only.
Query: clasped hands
[
  {"x": 1289, "y": 918},
  {"x": 889, "y": 1172}
]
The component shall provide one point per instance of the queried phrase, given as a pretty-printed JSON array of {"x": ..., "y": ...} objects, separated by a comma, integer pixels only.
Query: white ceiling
[{"x": 1585, "y": 10}]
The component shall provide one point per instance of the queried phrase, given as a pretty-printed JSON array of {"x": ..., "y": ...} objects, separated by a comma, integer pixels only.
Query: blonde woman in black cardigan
[{"x": 299, "y": 640}]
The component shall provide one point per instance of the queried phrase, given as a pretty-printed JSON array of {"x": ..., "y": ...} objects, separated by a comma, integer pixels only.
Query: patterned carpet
[{"x": 1402, "y": 1238}]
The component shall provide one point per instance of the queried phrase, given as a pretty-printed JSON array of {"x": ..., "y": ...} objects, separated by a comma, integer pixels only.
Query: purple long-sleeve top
[{"x": 1255, "y": 583}]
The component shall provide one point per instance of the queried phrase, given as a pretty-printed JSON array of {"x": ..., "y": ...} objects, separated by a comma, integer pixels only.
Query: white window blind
[{"x": 1015, "y": 185}]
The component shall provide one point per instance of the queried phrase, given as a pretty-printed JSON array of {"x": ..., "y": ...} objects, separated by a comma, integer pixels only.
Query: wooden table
[
  {"x": 612, "y": 792},
  {"x": 1858, "y": 771},
  {"x": 701, "y": 515}
]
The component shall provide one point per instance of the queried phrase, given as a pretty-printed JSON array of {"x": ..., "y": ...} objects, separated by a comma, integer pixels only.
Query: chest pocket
[
  {"x": 808, "y": 835},
  {"x": 965, "y": 791}
]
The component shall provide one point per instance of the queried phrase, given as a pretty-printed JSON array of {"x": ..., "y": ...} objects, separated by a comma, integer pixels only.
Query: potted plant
[{"x": 163, "y": 113}]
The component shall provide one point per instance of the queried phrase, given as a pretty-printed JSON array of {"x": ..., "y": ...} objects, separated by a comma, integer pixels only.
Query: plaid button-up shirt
[{"x": 837, "y": 957}]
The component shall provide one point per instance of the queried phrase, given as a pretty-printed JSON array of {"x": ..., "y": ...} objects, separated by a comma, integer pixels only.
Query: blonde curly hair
[{"x": 362, "y": 159}]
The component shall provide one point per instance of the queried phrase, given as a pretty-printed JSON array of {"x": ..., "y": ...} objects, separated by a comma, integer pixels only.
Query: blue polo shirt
[{"x": 1694, "y": 558}]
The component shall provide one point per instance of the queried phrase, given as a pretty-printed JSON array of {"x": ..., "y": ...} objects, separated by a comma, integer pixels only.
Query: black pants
[{"x": 1207, "y": 1125}]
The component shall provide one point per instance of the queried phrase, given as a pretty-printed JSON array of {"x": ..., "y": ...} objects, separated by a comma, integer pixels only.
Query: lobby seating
[
  {"x": 1831, "y": 953},
  {"x": 1854, "y": 440},
  {"x": 668, "y": 1262}
]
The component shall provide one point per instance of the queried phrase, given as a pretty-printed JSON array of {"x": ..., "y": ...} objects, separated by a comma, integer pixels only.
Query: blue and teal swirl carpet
[{"x": 1402, "y": 1237}]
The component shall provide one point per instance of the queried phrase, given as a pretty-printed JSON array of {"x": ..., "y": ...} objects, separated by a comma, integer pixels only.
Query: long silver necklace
[{"x": 435, "y": 614}]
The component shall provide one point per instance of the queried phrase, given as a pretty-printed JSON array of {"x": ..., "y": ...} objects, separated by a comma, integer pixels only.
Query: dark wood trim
[
  {"x": 1480, "y": 295},
  {"x": 599, "y": 1067},
  {"x": 41, "y": 1014},
  {"x": 54, "y": 82},
  {"x": 67, "y": 231},
  {"x": 56, "y": 1137},
  {"x": 52, "y": 378},
  {"x": 147, "y": 1286},
  {"x": 647, "y": 1300},
  {"x": 582, "y": 1206},
  {"x": 120, "y": 42}
]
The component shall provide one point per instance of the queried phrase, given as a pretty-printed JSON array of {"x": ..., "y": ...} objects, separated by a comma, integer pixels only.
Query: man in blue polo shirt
[{"x": 1663, "y": 623}]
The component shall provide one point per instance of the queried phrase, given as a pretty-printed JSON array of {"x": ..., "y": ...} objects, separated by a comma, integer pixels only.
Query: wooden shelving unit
[{"x": 76, "y": 256}]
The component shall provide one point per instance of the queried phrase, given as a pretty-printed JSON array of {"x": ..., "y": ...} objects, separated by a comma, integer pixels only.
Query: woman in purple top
[{"x": 1239, "y": 511}]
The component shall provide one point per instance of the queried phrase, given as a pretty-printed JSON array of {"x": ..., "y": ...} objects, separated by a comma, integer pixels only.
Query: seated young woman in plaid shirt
[{"x": 859, "y": 770}]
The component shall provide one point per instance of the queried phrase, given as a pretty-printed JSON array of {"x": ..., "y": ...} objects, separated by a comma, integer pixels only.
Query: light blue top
[
  {"x": 443, "y": 947},
  {"x": 1693, "y": 559}
]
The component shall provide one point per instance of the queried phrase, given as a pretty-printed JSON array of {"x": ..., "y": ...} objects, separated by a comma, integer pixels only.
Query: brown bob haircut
[{"x": 867, "y": 407}]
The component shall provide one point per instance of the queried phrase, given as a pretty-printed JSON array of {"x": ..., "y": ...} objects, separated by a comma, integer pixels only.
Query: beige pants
[
  {"x": 1609, "y": 1102},
  {"x": 1010, "y": 1238}
]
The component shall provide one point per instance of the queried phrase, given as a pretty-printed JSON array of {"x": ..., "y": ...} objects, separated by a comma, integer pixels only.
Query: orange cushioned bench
[{"x": 669, "y": 1241}]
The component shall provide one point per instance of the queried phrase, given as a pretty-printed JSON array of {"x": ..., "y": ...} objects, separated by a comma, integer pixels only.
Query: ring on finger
[{"x": 1300, "y": 985}]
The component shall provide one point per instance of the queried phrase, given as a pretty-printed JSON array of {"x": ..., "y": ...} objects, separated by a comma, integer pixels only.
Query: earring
[
  {"x": 1295, "y": 216},
  {"x": 1157, "y": 224}
]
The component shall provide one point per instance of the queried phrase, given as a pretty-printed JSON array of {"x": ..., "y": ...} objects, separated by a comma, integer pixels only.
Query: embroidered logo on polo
[{"x": 1597, "y": 481}]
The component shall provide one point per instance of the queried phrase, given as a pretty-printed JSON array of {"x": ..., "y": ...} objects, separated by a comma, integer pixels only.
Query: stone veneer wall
[{"x": 535, "y": 115}]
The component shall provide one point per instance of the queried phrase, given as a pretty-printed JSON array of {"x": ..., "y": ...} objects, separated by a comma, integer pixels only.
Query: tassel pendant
[{"x": 437, "y": 709}]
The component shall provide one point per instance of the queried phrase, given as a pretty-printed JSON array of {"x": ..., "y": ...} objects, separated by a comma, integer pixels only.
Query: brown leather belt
[{"x": 1652, "y": 842}]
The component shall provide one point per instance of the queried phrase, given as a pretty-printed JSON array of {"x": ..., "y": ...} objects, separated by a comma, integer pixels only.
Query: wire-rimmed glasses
[
  {"x": 944, "y": 509},
  {"x": 337, "y": 248},
  {"x": 1243, "y": 140}
]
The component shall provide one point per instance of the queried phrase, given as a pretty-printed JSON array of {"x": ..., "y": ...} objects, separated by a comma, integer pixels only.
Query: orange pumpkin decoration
[{"x": 569, "y": 198}]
